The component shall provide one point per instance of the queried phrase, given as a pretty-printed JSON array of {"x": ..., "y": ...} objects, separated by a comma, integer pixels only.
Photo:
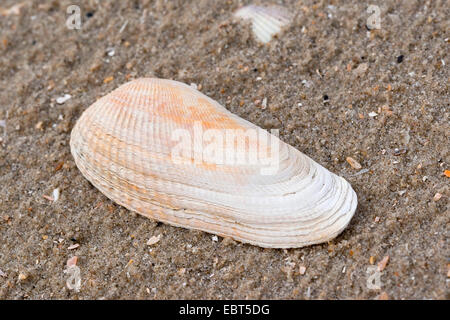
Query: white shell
[
  {"x": 266, "y": 20},
  {"x": 123, "y": 144}
]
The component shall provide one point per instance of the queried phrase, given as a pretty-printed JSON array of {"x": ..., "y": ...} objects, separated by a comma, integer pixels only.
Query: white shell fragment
[
  {"x": 148, "y": 146},
  {"x": 266, "y": 20},
  {"x": 153, "y": 240},
  {"x": 74, "y": 246},
  {"x": 55, "y": 194},
  {"x": 61, "y": 100}
]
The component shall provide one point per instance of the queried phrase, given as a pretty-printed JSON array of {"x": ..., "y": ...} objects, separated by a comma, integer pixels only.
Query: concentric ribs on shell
[{"x": 124, "y": 144}]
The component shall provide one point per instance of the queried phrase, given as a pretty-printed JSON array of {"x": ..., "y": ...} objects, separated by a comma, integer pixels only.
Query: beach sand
[{"x": 334, "y": 89}]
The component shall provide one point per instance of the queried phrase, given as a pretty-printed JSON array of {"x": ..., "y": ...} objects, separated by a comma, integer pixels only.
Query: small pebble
[
  {"x": 387, "y": 110},
  {"x": 55, "y": 194},
  {"x": 215, "y": 238},
  {"x": 14, "y": 10},
  {"x": 72, "y": 261},
  {"x": 227, "y": 241},
  {"x": 22, "y": 276},
  {"x": 373, "y": 114},
  {"x": 47, "y": 197},
  {"x": 361, "y": 69},
  {"x": 51, "y": 85},
  {"x": 74, "y": 246},
  {"x": 264, "y": 103}
]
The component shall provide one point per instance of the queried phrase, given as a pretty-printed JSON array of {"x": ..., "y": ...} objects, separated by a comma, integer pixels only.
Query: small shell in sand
[{"x": 266, "y": 20}]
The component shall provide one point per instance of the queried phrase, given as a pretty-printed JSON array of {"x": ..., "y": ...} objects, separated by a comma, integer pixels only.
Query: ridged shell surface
[
  {"x": 124, "y": 145},
  {"x": 266, "y": 20}
]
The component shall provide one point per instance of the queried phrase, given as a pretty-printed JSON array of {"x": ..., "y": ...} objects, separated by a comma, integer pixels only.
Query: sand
[{"x": 325, "y": 77}]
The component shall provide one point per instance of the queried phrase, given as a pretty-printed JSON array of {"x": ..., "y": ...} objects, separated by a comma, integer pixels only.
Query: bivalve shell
[{"x": 166, "y": 151}]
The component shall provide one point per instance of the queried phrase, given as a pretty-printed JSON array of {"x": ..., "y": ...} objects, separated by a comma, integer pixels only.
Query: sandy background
[{"x": 326, "y": 51}]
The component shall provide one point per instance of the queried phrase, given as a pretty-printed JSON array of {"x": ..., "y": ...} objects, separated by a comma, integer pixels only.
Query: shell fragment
[{"x": 166, "y": 151}]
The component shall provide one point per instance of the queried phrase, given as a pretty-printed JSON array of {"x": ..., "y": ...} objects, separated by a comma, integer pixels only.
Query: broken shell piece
[
  {"x": 14, "y": 10},
  {"x": 266, "y": 20},
  {"x": 61, "y": 100},
  {"x": 22, "y": 276},
  {"x": 353, "y": 163},
  {"x": 72, "y": 261},
  {"x": 264, "y": 104},
  {"x": 55, "y": 194},
  {"x": 134, "y": 145},
  {"x": 153, "y": 240}
]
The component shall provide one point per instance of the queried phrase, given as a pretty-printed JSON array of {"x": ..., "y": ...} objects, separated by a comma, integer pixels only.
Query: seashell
[
  {"x": 147, "y": 146},
  {"x": 266, "y": 20}
]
